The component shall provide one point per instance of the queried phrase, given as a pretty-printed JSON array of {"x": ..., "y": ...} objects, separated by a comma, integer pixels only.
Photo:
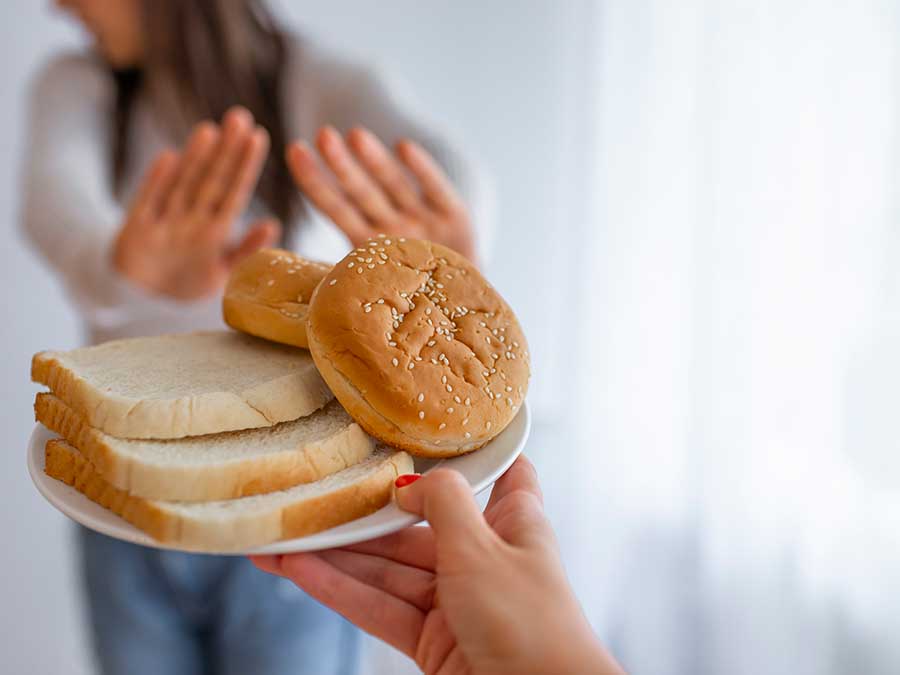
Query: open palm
[
  {"x": 175, "y": 237},
  {"x": 366, "y": 189}
]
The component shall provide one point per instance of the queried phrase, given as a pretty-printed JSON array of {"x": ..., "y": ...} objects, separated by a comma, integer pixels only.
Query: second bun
[{"x": 268, "y": 295}]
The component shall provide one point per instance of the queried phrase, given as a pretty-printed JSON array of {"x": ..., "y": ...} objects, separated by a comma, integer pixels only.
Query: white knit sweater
[{"x": 71, "y": 215}]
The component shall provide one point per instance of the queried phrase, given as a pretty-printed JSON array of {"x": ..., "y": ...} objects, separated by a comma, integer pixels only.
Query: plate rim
[{"x": 400, "y": 521}]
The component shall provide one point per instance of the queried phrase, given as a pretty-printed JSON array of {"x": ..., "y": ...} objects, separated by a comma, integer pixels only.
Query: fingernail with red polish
[{"x": 406, "y": 479}]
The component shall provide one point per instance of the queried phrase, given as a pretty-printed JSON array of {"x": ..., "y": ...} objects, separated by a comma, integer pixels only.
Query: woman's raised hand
[
  {"x": 475, "y": 593},
  {"x": 174, "y": 241},
  {"x": 366, "y": 189}
]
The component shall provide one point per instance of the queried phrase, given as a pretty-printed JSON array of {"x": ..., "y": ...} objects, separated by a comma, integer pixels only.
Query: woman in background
[{"x": 143, "y": 236}]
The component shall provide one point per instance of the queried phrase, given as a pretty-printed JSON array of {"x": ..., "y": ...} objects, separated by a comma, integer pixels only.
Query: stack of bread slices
[{"x": 229, "y": 440}]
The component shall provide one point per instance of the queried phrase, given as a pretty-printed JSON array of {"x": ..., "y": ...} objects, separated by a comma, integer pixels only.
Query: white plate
[{"x": 480, "y": 468}]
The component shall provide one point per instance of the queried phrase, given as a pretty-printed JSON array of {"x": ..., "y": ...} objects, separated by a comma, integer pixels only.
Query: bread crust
[
  {"x": 268, "y": 295},
  {"x": 257, "y": 474},
  {"x": 290, "y": 395},
  {"x": 418, "y": 347},
  {"x": 286, "y": 521}
]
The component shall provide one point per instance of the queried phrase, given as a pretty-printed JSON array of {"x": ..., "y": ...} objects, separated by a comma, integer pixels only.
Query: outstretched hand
[
  {"x": 366, "y": 189},
  {"x": 475, "y": 593},
  {"x": 174, "y": 239}
]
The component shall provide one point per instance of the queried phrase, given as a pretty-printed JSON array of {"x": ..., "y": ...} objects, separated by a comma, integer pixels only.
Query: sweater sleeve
[
  {"x": 69, "y": 212},
  {"x": 350, "y": 94}
]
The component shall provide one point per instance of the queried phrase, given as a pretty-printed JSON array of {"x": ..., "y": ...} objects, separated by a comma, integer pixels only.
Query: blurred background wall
[{"x": 697, "y": 226}]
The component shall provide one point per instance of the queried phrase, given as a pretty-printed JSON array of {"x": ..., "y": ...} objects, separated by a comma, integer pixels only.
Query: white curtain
[
  {"x": 730, "y": 502},
  {"x": 725, "y": 479}
]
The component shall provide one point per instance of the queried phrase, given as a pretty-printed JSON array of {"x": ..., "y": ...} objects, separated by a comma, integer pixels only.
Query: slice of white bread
[
  {"x": 172, "y": 386},
  {"x": 216, "y": 466},
  {"x": 239, "y": 524}
]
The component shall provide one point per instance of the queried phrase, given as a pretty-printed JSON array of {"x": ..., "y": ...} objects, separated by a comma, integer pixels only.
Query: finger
[
  {"x": 414, "y": 585},
  {"x": 157, "y": 182},
  {"x": 520, "y": 476},
  {"x": 437, "y": 187},
  {"x": 262, "y": 234},
  {"x": 386, "y": 617},
  {"x": 325, "y": 195},
  {"x": 268, "y": 563},
  {"x": 444, "y": 498},
  {"x": 412, "y": 546},
  {"x": 194, "y": 164},
  {"x": 242, "y": 183},
  {"x": 355, "y": 181},
  {"x": 389, "y": 173},
  {"x": 237, "y": 128}
]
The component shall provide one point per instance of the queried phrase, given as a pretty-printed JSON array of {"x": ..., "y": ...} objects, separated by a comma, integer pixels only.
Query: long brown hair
[{"x": 201, "y": 58}]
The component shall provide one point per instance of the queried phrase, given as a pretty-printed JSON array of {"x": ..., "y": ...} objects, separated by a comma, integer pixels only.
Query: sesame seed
[
  {"x": 274, "y": 262},
  {"x": 443, "y": 377},
  {"x": 465, "y": 421},
  {"x": 421, "y": 414},
  {"x": 442, "y": 425},
  {"x": 468, "y": 401},
  {"x": 449, "y": 389},
  {"x": 457, "y": 399},
  {"x": 387, "y": 242},
  {"x": 371, "y": 266},
  {"x": 368, "y": 309},
  {"x": 395, "y": 361},
  {"x": 412, "y": 364},
  {"x": 428, "y": 310},
  {"x": 508, "y": 388},
  {"x": 292, "y": 271},
  {"x": 350, "y": 264},
  {"x": 449, "y": 411},
  {"x": 421, "y": 398},
  {"x": 509, "y": 400},
  {"x": 468, "y": 435},
  {"x": 359, "y": 270},
  {"x": 392, "y": 344},
  {"x": 333, "y": 282},
  {"x": 380, "y": 301},
  {"x": 431, "y": 343},
  {"x": 487, "y": 426},
  {"x": 270, "y": 282}
]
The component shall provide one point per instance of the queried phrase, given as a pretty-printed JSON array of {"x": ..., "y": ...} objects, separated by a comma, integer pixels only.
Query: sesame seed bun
[
  {"x": 418, "y": 347},
  {"x": 268, "y": 295}
]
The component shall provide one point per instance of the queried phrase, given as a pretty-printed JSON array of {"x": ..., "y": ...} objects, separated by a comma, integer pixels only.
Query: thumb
[
  {"x": 262, "y": 233},
  {"x": 444, "y": 498}
]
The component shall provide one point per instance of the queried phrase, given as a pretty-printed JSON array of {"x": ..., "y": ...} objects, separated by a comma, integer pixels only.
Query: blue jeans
[{"x": 162, "y": 612}]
